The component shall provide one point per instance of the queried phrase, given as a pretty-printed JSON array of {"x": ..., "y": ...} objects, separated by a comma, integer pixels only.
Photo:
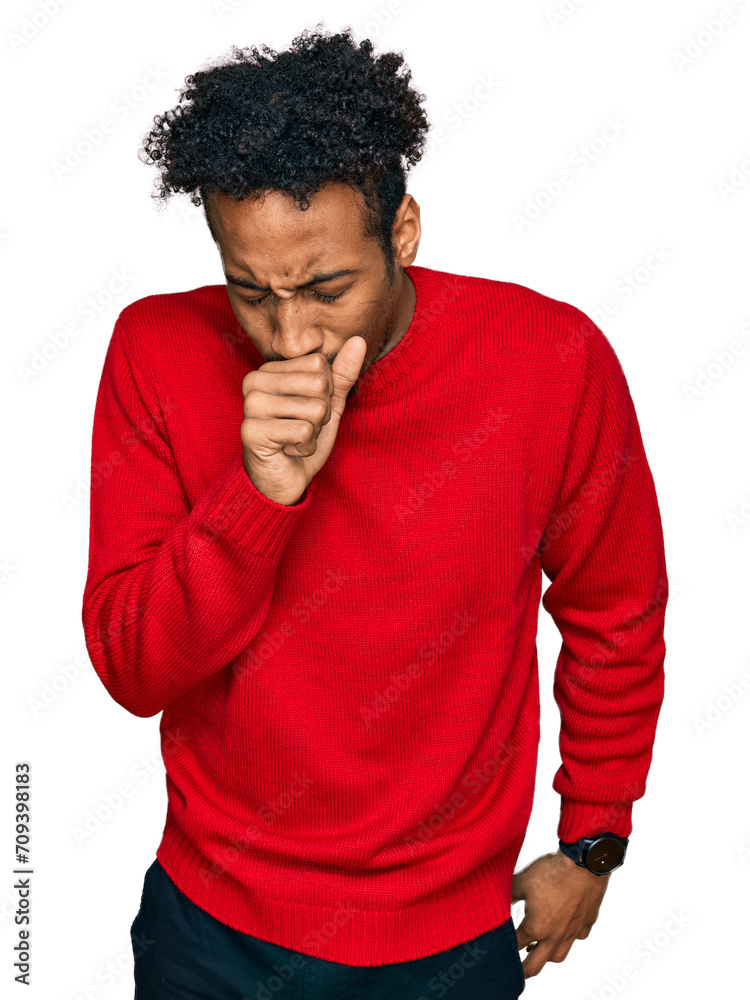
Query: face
[{"x": 271, "y": 251}]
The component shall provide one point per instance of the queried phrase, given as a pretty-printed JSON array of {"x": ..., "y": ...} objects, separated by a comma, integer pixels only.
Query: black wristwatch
[{"x": 600, "y": 854}]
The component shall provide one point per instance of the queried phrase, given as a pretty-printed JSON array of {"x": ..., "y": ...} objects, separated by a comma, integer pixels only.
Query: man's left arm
[{"x": 603, "y": 551}]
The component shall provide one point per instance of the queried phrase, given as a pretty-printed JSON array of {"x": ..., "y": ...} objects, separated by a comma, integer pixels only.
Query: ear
[{"x": 407, "y": 230}]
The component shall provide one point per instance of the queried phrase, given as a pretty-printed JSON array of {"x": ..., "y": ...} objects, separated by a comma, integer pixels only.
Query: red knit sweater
[{"x": 348, "y": 685}]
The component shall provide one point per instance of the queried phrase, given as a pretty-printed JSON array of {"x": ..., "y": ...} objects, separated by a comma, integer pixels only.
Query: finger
[
  {"x": 524, "y": 934},
  {"x": 267, "y": 405},
  {"x": 561, "y": 951},
  {"x": 270, "y": 435},
  {"x": 309, "y": 364},
  {"x": 537, "y": 959}
]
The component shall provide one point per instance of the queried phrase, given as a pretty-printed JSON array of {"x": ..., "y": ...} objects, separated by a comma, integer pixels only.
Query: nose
[{"x": 293, "y": 334}]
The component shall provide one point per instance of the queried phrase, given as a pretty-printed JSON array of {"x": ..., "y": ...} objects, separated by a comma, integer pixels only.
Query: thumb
[{"x": 345, "y": 370}]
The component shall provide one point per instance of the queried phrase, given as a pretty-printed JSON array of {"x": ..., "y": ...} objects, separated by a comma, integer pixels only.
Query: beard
[{"x": 386, "y": 341}]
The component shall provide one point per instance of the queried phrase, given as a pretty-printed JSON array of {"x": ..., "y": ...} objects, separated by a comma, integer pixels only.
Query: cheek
[
  {"x": 368, "y": 314},
  {"x": 239, "y": 308}
]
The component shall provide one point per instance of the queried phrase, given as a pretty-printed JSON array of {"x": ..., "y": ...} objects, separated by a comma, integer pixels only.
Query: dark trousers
[{"x": 183, "y": 953}]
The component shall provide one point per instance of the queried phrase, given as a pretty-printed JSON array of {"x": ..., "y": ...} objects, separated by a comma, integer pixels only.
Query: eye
[{"x": 323, "y": 298}]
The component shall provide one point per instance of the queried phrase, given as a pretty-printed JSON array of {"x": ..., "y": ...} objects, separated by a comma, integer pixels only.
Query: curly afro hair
[{"x": 325, "y": 109}]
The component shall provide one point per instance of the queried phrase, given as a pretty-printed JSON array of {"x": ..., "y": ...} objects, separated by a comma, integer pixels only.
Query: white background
[{"x": 656, "y": 186}]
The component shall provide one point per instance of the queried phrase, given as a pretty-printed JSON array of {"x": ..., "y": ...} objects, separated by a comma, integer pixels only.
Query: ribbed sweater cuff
[
  {"x": 239, "y": 512},
  {"x": 584, "y": 819}
]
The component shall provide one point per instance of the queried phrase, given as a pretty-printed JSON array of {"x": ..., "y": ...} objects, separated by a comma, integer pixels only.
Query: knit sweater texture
[{"x": 349, "y": 685}]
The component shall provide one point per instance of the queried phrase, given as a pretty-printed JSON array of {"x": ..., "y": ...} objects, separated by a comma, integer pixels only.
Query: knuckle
[{"x": 247, "y": 432}]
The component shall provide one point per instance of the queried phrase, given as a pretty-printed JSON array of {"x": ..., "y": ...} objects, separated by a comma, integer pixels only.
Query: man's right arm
[{"x": 173, "y": 593}]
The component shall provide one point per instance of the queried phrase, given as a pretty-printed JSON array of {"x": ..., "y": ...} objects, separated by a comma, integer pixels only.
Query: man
[{"x": 331, "y": 488}]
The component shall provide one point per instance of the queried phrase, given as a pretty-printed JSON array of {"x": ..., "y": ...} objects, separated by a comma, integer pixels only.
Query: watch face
[{"x": 605, "y": 855}]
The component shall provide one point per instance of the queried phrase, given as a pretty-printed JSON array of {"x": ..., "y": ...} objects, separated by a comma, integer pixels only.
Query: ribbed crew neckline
[{"x": 412, "y": 346}]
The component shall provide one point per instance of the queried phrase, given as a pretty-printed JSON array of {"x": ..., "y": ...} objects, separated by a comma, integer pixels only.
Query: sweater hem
[{"x": 342, "y": 932}]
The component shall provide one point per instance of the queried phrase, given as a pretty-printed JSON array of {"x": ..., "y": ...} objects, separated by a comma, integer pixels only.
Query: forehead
[{"x": 264, "y": 228}]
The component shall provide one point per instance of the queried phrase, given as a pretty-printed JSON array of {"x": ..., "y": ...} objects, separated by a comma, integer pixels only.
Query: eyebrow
[{"x": 329, "y": 276}]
